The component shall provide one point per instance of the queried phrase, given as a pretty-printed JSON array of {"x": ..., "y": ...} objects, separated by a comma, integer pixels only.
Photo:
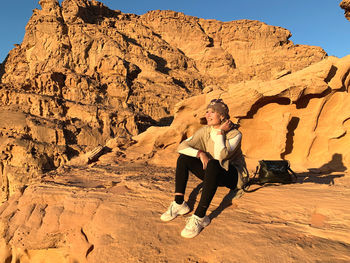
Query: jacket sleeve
[
  {"x": 193, "y": 144},
  {"x": 188, "y": 150}
]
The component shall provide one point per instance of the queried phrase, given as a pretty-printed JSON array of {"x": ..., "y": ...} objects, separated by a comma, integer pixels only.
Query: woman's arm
[
  {"x": 191, "y": 145},
  {"x": 186, "y": 149},
  {"x": 194, "y": 147},
  {"x": 220, "y": 149},
  {"x": 221, "y": 152}
]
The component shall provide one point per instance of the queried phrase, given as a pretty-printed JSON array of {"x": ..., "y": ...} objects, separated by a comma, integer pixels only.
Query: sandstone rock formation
[
  {"x": 345, "y": 4},
  {"x": 85, "y": 74},
  {"x": 110, "y": 213},
  {"x": 302, "y": 117}
]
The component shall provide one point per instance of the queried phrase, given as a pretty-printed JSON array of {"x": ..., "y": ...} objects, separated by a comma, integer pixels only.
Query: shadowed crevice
[
  {"x": 91, "y": 248},
  {"x": 345, "y": 77},
  {"x": 8, "y": 259},
  {"x": 333, "y": 70},
  {"x": 303, "y": 101},
  {"x": 2, "y": 68},
  {"x": 210, "y": 39},
  {"x": 130, "y": 40},
  {"x": 95, "y": 14},
  {"x": 292, "y": 125},
  {"x": 181, "y": 84},
  {"x": 263, "y": 102},
  {"x": 161, "y": 63}
]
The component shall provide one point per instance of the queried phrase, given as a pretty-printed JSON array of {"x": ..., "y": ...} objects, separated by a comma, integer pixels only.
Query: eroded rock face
[
  {"x": 85, "y": 74},
  {"x": 302, "y": 117},
  {"x": 231, "y": 52}
]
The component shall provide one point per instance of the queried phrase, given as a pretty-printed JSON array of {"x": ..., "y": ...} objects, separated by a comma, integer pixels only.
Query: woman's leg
[
  {"x": 230, "y": 179},
  {"x": 184, "y": 165},
  {"x": 215, "y": 175},
  {"x": 210, "y": 185}
]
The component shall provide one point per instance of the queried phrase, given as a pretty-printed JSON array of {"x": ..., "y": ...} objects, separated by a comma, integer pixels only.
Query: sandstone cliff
[
  {"x": 302, "y": 117},
  {"x": 86, "y": 75}
]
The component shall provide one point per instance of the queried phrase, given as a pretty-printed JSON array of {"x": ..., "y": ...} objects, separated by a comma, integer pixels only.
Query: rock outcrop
[
  {"x": 345, "y": 4},
  {"x": 85, "y": 74},
  {"x": 87, "y": 149},
  {"x": 110, "y": 213},
  {"x": 302, "y": 117}
]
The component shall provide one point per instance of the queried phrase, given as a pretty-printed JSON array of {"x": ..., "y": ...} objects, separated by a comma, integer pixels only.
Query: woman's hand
[
  {"x": 226, "y": 126},
  {"x": 204, "y": 159}
]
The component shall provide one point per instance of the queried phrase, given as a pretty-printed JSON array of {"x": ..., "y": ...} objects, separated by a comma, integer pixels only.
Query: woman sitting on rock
[{"x": 214, "y": 155}]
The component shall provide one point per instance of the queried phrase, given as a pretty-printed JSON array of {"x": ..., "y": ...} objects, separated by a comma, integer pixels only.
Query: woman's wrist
[
  {"x": 199, "y": 153},
  {"x": 220, "y": 132}
]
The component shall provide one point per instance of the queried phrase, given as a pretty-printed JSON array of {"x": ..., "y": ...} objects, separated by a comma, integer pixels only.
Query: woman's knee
[
  {"x": 212, "y": 172},
  {"x": 213, "y": 165},
  {"x": 182, "y": 159}
]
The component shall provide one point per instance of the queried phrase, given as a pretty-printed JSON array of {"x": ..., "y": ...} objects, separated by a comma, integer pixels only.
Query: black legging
[{"x": 213, "y": 176}]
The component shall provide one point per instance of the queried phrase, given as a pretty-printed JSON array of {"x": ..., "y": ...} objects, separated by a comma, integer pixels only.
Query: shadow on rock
[
  {"x": 226, "y": 202},
  {"x": 193, "y": 196},
  {"x": 325, "y": 173}
]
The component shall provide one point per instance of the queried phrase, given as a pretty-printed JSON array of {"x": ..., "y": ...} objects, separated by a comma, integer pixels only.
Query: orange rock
[
  {"x": 345, "y": 4},
  {"x": 85, "y": 74}
]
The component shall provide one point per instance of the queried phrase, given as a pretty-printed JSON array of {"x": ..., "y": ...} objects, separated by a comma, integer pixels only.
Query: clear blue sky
[{"x": 312, "y": 22}]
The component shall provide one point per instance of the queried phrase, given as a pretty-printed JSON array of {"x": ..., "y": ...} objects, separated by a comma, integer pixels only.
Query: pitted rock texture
[{"x": 233, "y": 51}]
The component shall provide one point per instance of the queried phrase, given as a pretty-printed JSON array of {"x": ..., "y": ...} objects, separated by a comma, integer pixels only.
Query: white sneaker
[
  {"x": 174, "y": 210},
  {"x": 194, "y": 226}
]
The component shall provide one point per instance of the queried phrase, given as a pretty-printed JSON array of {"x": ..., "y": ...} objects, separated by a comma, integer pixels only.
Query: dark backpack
[{"x": 271, "y": 172}]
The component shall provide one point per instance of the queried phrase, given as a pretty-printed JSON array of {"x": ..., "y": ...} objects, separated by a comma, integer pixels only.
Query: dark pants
[{"x": 213, "y": 176}]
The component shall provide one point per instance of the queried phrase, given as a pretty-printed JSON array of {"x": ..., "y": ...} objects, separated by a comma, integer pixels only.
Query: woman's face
[{"x": 213, "y": 118}]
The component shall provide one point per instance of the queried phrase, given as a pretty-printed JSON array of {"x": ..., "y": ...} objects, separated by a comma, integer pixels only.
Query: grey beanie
[{"x": 220, "y": 107}]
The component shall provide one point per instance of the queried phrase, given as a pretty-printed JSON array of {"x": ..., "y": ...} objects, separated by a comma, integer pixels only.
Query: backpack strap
[
  {"x": 293, "y": 173},
  {"x": 250, "y": 182}
]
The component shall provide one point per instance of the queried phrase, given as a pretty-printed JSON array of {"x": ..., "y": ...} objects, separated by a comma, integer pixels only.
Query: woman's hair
[{"x": 220, "y": 107}]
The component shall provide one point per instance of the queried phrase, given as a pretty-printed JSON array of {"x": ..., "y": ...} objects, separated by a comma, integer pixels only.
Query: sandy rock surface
[
  {"x": 109, "y": 212},
  {"x": 302, "y": 117}
]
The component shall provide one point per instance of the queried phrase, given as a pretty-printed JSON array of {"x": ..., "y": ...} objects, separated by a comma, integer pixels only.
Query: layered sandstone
[
  {"x": 110, "y": 213},
  {"x": 85, "y": 74},
  {"x": 302, "y": 117}
]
